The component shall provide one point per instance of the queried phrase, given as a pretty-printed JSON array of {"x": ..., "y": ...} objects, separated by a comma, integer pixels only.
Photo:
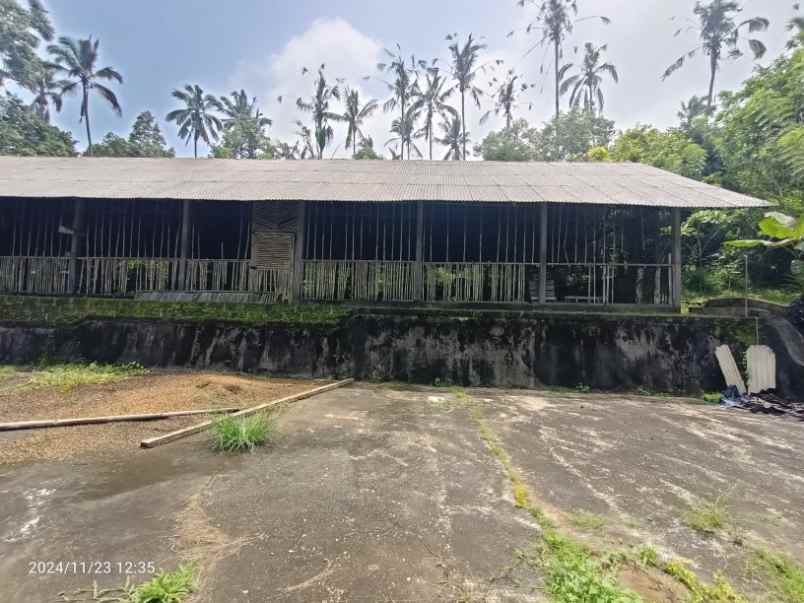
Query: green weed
[
  {"x": 574, "y": 575},
  {"x": 719, "y": 592},
  {"x": 708, "y": 517},
  {"x": 68, "y": 376},
  {"x": 782, "y": 574},
  {"x": 588, "y": 521},
  {"x": 234, "y": 434},
  {"x": 166, "y": 587}
]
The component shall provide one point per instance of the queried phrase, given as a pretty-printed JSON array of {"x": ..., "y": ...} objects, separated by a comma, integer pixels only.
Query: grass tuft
[
  {"x": 68, "y": 376},
  {"x": 719, "y": 592},
  {"x": 232, "y": 434},
  {"x": 585, "y": 520},
  {"x": 708, "y": 517},
  {"x": 166, "y": 587}
]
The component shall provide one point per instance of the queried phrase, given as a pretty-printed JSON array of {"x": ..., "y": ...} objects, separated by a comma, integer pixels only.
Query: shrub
[{"x": 231, "y": 434}]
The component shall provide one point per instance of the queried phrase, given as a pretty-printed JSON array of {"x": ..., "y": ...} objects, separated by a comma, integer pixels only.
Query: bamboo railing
[
  {"x": 485, "y": 282},
  {"x": 110, "y": 277},
  {"x": 346, "y": 280},
  {"x": 359, "y": 280}
]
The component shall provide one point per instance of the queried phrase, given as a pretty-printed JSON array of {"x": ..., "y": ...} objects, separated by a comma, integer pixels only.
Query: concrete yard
[{"x": 391, "y": 493}]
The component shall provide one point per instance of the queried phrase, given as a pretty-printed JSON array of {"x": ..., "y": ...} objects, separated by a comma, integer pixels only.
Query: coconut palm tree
[
  {"x": 196, "y": 119},
  {"x": 405, "y": 133},
  {"x": 555, "y": 21},
  {"x": 306, "y": 150},
  {"x": 287, "y": 151},
  {"x": 237, "y": 107},
  {"x": 318, "y": 105},
  {"x": 431, "y": 102},
  {"x": 718, "y": 31},
  {"x": 454, "y": 137},
  {"x": 506, "y": 97},
  {"x": 355, "y": 116},
  {"x": 77, "y": 59},
  {"x": 585, "y": 86},
  {"x": 47, "y": 92},
  {"x": 243, "y": 115},
  {"x": 464, "y": 71},
  {"x": 404, "y": 86}
]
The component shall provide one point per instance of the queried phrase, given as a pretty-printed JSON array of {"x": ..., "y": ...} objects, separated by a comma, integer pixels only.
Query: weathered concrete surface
[
  {"x": 388, "y": 493},
  {"x": 642, "y": 464},
  {"x": 606, "y": 352}
]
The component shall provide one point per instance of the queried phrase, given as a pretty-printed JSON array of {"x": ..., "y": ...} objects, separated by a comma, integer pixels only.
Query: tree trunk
[
  {"x": 713, "y": 60},
  {"x": 195, "y": 147},
  {"x": 86, "y": 118},
  {"x": 463, "y": 122},
  {"x": 558, "y": 83},
  {"x": 430, "y": 139},
  {"x": 558, "y": 107}
]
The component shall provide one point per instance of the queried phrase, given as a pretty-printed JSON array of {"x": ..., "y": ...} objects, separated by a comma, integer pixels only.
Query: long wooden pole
[
  {"x": 40, "y": 424},
  {"x": 298, "y": 256},
  {"x": 75, "y": 244},
  {"x": 185, "y": 242},
  {"x": 543, "y": 255},
  {"x": 419, "y": 250},
  {"x": 676, "y": 267},
  {"x": 182, "y": 433}
]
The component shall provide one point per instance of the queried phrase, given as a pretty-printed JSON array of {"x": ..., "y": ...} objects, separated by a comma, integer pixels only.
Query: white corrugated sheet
[{"x": 370, "y": 181}]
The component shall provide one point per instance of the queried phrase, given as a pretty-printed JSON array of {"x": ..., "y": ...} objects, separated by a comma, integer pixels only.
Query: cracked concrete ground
[{"x": 387, "y": 493}]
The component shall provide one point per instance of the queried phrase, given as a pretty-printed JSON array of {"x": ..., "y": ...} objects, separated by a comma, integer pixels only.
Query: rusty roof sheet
[{"x": 367, "y": 181}]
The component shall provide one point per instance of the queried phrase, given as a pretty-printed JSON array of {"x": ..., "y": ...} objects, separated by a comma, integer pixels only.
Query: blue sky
[{"x": 159, "y": 45}]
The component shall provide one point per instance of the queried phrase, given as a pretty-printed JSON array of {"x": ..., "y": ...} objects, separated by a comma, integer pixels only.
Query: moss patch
[{"x": 71, "y": 310}]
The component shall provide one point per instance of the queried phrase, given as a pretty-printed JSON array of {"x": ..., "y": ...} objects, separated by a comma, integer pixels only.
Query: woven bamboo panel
[{"x": 274, "y": 236}]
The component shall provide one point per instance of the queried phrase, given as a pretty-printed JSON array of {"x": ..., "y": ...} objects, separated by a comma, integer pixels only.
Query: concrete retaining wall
[{"x": 657, "y": 353}]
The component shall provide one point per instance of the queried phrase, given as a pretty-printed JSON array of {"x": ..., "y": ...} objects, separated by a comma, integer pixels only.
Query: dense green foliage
[
  {"x": 23, "y": 132},
  {"x": 567, "y": 138},
  {"x": 145, "y": 140},
  {"x": 365, "y": 150},
  {"x": 21, "y": 30},
  {"x": 670, "y": 150}
]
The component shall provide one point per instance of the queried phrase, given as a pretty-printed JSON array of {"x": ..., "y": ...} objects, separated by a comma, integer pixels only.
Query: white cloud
[{"x": 347, "y": 54}]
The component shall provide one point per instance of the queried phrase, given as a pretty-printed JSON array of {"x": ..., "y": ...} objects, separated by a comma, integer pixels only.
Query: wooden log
[
  {"x": 182, "y": 433},
  {"x": 44, "y": 423}
]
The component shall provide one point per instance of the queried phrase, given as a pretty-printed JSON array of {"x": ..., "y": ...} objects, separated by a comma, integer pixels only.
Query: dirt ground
[
  {"x": 389, "y": 493},
  {"x": 160, "y": 391}
]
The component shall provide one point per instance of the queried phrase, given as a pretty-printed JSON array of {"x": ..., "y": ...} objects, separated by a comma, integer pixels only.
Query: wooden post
[
  {"x": 298, "y": 254},
  {"x": 543, "y": 255},
  {"x": 75, "y": 244},
  {"x": 185, "y": 243},
  {"x": 419, "y": 293},
  {"x": 675, "y": 294}
]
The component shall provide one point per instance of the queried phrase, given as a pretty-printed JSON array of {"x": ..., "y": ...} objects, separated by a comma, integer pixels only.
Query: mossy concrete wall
[{"x": 606, "y": 352}]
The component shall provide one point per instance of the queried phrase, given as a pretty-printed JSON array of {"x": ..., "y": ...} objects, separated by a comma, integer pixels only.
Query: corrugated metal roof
[{"x": 345, "y": 180}]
